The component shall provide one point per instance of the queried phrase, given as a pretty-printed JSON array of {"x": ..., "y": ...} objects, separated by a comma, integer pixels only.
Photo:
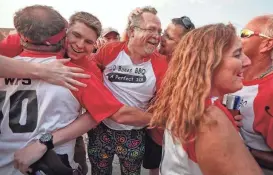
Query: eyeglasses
[
  {"x": 186, "y": 22},
  {"x": 150, "y": 31},
  {"x": 246, "y": 33}
]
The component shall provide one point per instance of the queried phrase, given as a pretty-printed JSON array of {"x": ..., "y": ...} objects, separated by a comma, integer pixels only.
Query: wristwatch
[{"x": 47, "y": 140}]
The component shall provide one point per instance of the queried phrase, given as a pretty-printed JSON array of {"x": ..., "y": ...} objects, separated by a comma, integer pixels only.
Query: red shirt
[
  {"x": 11, "y": 46},
  {"x": 89, "y": 65},
  {"x": 256, "y": 108},
  {"x": 132, "y": 84}
]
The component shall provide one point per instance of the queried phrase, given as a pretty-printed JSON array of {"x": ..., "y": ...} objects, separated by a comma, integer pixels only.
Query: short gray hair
[
  {"x": 38, "y": 23},
  {"x": 136, "y": 19},
  {"x": 268, "y": 29}
]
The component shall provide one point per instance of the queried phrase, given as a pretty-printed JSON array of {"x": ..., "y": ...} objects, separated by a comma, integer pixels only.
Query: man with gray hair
[
  {"x": 169, "y": 40},
  {"x": 256, "y": 106},
  {"x": 132, "y": 71}
]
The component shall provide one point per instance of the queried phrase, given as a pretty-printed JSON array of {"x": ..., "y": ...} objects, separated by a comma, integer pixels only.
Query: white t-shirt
[
  {"x": 30, "y": 108},
  {"x": 256, "y": 108},
  {"x": 180, "y": 159},
  {"x": 132, "y": 84}
]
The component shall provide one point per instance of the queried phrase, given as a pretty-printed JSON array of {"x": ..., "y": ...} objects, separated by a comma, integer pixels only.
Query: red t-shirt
[
  {"x": 256, "y": 109},
  {"x": 11, "y": 46},
  {"x": 133, "y": 84},
  {"x": 89, "y": 65}
]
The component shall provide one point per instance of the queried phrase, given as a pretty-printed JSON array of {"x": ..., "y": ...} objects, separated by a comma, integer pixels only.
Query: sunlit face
[
  {"x": 111, "y": 37},
  {"x": 227, "y": 77},
  {"x": 258, "y": 43},
  {"x": 146, "y": 36},
  {"x": 170, "y": 39},
  {"x": 80, "y": 41},
  {"x": 251, "y": 45}
]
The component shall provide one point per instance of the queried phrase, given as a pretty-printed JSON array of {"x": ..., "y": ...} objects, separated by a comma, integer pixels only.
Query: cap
[{"x": 105, "y": 31}]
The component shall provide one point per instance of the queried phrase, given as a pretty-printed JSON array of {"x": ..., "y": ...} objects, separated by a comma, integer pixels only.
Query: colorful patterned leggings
[{"x": 104, "y": 143}]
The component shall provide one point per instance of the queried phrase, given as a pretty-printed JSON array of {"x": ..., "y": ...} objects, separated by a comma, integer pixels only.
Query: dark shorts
[
  {"x": 80, "y": 154},
  {"x": 152, "y": 155},
  {"x": 52, "y": 163}
]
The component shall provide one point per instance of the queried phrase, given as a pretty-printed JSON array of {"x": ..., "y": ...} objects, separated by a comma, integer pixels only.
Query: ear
[
  {"x": 266, "y": 45},
  {"x": 131, "y": 32},
  {"x": 68, "y": 30}
]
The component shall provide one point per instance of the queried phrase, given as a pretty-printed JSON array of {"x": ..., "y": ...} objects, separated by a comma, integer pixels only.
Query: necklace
[{"x": 266, "y": 72}]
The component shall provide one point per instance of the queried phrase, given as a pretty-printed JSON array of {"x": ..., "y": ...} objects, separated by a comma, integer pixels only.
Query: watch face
[
  {"x": 46, "y": 137},
  {"x": 40, "y": 173}
]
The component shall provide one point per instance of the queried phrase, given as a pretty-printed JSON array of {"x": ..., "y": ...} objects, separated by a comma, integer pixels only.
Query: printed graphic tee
[{"x": 132, "y": 84}]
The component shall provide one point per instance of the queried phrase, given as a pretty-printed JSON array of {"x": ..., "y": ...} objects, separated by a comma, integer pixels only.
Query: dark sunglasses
[{"x": 186, "y": 22}]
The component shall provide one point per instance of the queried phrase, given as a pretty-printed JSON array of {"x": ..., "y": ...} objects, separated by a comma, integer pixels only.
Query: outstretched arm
[{"x": 55, "y": 72}]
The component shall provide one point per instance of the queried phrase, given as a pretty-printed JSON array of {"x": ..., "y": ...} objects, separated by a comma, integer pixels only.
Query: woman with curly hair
[{"x": 200, "y": 135}]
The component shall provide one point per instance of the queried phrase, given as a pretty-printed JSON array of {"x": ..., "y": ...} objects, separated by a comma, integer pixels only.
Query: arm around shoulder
[
  {"x": 131, "y": 116},
  {"x": 102, "y": 104}
]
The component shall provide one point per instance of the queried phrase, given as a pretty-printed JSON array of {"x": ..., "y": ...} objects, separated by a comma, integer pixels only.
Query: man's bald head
[
  {"x": 267, "y": 28},
  {"x": 38, "y": 22},
  {"x": 263, "y": 24},
  {"x": 256, "y": 45}
]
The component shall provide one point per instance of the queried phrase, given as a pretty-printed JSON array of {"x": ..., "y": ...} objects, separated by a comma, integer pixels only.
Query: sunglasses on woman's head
[
  {"x": 186, "y": 21},
  {"x": 246, "y": 33}
]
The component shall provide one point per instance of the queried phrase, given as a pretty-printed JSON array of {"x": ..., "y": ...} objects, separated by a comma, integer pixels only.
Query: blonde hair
[
  {"x": 136, "y": 20},
  {"x": 180, "y": 103}
]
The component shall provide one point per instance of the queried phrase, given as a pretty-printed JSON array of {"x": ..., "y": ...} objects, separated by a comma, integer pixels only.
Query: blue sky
[{"x": 114, "y": 12}]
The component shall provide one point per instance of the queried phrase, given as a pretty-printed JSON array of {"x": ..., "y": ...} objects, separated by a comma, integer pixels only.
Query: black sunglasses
[{"x": 186, "y": 21}]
